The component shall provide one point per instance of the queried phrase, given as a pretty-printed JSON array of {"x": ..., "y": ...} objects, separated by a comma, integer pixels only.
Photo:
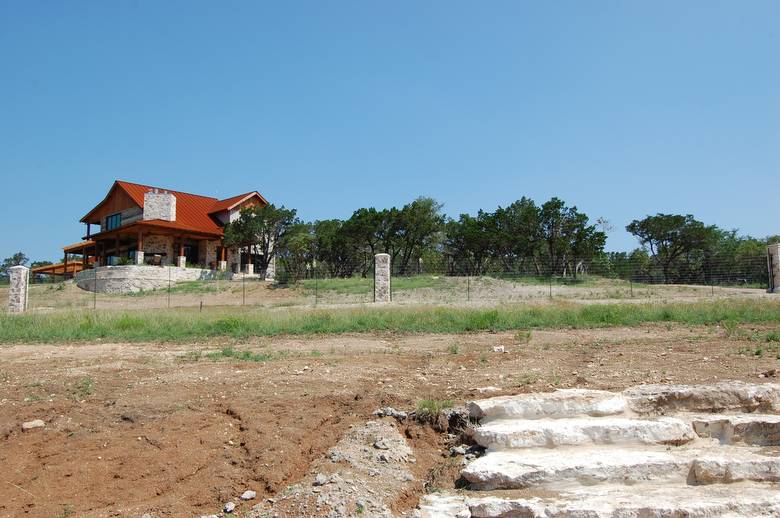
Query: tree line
[{"x": 523, "y": 238}]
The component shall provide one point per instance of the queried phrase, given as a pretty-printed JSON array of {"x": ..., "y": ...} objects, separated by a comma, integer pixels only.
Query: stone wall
[
  {"x": 159, "y": 205},
  {"x": 773, "y": 262},
  {"x": 131, "y": 279},
  {"x": 382, "y": 278},
  {"x": 18, "y": 277},
  {"x": 162, "y": 245}
]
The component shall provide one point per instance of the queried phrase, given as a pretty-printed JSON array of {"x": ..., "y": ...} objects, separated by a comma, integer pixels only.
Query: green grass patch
[
  {"x": 359, "y": 285},
  {"x": 187, "y": 324},
  {"x": 433, "y": 407}
]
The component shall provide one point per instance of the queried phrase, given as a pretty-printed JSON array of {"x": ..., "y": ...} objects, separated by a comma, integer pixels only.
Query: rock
[
  {"x": 443, "y": 506},
  {"x": 561, "y": 403},
  {"x": 724, "y": 396},
  {"x": 457, "y": 450},
  {"x": 486, "y": 390},
  {"x": 248, "y": 495},
  {"x": 389, "y": 411},
  {"x": 499, "y": 349},
  {"x": 381, "y": 445},
  {"x": 321, "y": 479},
  {"x": 753, "y": 429},
  {"x": 146, "y": 515},
  {"x": 516, "y": 433},
  {"x": 32, "y": 425},
  {"x": 229, "y": 507}
]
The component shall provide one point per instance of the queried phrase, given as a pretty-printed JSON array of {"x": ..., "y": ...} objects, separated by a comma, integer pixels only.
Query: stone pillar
[
  {"x": 222, "y": 266},
  {"x": 773, "y": 267},
  {"x": 139, "y": 257},
  {"x": 19, "y": 276},
  {"x": 382, "y": 278},
  {"x": 181, "y": 261}
]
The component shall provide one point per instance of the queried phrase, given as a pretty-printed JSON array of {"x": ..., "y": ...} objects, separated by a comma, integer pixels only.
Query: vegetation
[
  {"x": 261, "y": 228},
  {"x": 433, "y": 407},
  {"x": 188, "y": 324}
]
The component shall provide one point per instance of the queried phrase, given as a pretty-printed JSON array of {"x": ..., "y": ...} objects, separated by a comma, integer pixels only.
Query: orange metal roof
[
  {"x": 78, "y": 246},
  {"x": 193, "y": 211}
]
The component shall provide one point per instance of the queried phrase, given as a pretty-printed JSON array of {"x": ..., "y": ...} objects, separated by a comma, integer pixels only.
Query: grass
[
  {"x": 228, "y": 353},
  {"x": 359, "y": 285},
  {"x": 433, "y": 407},
  {"x": 186, "y": 324},
  {"x": 84, "y": 387},
  {"x": 192, "y": 287}
]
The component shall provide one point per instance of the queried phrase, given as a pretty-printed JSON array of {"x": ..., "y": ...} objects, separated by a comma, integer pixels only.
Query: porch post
[
  {"x": 65, "y": 267},
  {"x": 222, "y": 261},
  {"x": 250, "y": 268},
  {"x": 182, "y": 260},
  {"x": 139, "y": 253}
]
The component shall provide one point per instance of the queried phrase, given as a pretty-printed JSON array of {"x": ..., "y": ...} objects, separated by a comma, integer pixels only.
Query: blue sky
[{"x": 621, "y": 108}]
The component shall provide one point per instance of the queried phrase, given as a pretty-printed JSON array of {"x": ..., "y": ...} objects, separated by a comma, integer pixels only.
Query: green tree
[
  {"x": 295, "y": 251},
  {"x": 568, "y": 238},
  {"x": 676, "y": 242},
  {"x": 468, "y": 243},
  {"x": 260, "y": 229},
  {"x": 336, "y": 249},
  {"x": 416, "y": 229},
  {"x": 18, "y": 259}
]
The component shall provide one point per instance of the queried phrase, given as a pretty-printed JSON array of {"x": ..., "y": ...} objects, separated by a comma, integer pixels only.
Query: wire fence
[{"x": 422, "y": 281}]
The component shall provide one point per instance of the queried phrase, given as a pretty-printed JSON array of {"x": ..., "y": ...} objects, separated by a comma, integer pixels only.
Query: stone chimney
[{"x": 159, "y": 205}]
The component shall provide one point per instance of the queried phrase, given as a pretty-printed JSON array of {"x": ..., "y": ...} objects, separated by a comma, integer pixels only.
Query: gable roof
[
  {"x": 231, "y": 203},
  {"x": 192, "y": 210}
]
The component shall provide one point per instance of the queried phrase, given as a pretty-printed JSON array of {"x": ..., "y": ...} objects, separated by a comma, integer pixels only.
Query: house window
[{"x": 113, "y": 221}]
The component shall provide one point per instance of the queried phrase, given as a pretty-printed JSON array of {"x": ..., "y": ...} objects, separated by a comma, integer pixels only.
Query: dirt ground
[{"x": 161, "y": 429}]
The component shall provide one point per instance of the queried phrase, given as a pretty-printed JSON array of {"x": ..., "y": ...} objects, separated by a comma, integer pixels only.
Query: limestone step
[
  {"x": 731, "y": 396},
  {"x": 561, "y": 403},
  {"x": 744, "y": 500},
  {"x": 574, "y": 466},
  {"x": 753, "y": 429},
  {"x": 503, "y": 434}
]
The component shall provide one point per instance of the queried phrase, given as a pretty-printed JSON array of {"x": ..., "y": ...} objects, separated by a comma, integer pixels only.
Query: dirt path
[{"x": 164, "y": 429}]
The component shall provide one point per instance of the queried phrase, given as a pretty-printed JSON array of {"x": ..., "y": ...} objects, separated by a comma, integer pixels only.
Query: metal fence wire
[{"x": 426, "y": 280}]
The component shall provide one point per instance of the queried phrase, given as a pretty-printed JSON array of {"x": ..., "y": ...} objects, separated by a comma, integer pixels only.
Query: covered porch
[{"x": 158, "y": 245}]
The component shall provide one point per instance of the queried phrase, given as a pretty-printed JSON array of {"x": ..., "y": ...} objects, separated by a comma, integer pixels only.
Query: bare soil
[{"x": 137, "y": 428}]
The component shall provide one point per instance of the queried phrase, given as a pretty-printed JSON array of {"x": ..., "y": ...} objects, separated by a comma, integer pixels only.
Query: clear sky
[{"x": 622, "y": 108}]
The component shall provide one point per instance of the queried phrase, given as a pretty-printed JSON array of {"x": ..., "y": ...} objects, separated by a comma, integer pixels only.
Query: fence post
[
  {"x": 243, "y": 289},
  {"x": 773, "y": 267},
  {"x": 316, "y": 287},
  {"x": 382, "y": 278},
  {"x": 94, "y": 288},
  {"x": 19, "y": 278},
  {"x": 169, "y": 286},
  {"x": 468, "y": 287}
]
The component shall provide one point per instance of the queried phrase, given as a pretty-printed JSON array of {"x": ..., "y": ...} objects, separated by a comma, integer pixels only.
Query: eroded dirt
[{"x": 160, "y": 428}]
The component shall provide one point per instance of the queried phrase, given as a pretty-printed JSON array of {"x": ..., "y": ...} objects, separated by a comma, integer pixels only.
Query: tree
[
  {"x": 261, "y": 228},
  {"x": 675, "y": 241},
  {"x": 567, "y": 236},
  {"x": 468, "y": 242},
  {"x": 335, "y": 248},
  {"x": 295, "y": 250},
  {"x": 417, "y": 225},
  {"x": 516, "y": 234},
  {"x": 15, "y": 260}
]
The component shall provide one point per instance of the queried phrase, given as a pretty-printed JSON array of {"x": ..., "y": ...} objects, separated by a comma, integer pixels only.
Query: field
[
  {"x": 419, "y": 289},
  {"x": 175, "y": 412}
]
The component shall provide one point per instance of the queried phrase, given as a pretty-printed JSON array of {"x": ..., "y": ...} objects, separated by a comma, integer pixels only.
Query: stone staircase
[{"x": 650, "y": 451}]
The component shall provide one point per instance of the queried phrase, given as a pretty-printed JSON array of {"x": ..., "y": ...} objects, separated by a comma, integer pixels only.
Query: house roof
[
  {"x": 230, "y": 203},
  {"x": 193, "y": 211}
]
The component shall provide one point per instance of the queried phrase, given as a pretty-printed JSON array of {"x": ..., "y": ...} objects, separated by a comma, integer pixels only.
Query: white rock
[
  {"x": 248, "y": 495},
  {"x": 515, "y": 433},
  {"x": 719, "y": 397},
  {"x": 753, "y": 429},
  {"x": 561, "y": 468},
  {"x": 561, "y": 403},
  {"x": 732, "y": 501},
  {"x": 229, "y": 507},
  {"x": 31, "y": 425},
  {"x": 442, "y": 506}
]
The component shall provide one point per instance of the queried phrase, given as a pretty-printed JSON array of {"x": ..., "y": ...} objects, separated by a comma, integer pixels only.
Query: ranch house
[{"x": 144, "y": 225}]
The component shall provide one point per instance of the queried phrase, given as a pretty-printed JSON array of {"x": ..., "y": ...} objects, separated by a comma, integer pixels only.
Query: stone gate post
[
  {"x": 382, "y": 278},
  {"x": 19, "y": 276},
  {"x": 773, "y": 267}
]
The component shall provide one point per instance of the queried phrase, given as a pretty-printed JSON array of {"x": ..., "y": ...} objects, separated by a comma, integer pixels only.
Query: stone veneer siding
[
  {"x": 162, "y": 245},
  {"x": 159, "y": 205}
]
